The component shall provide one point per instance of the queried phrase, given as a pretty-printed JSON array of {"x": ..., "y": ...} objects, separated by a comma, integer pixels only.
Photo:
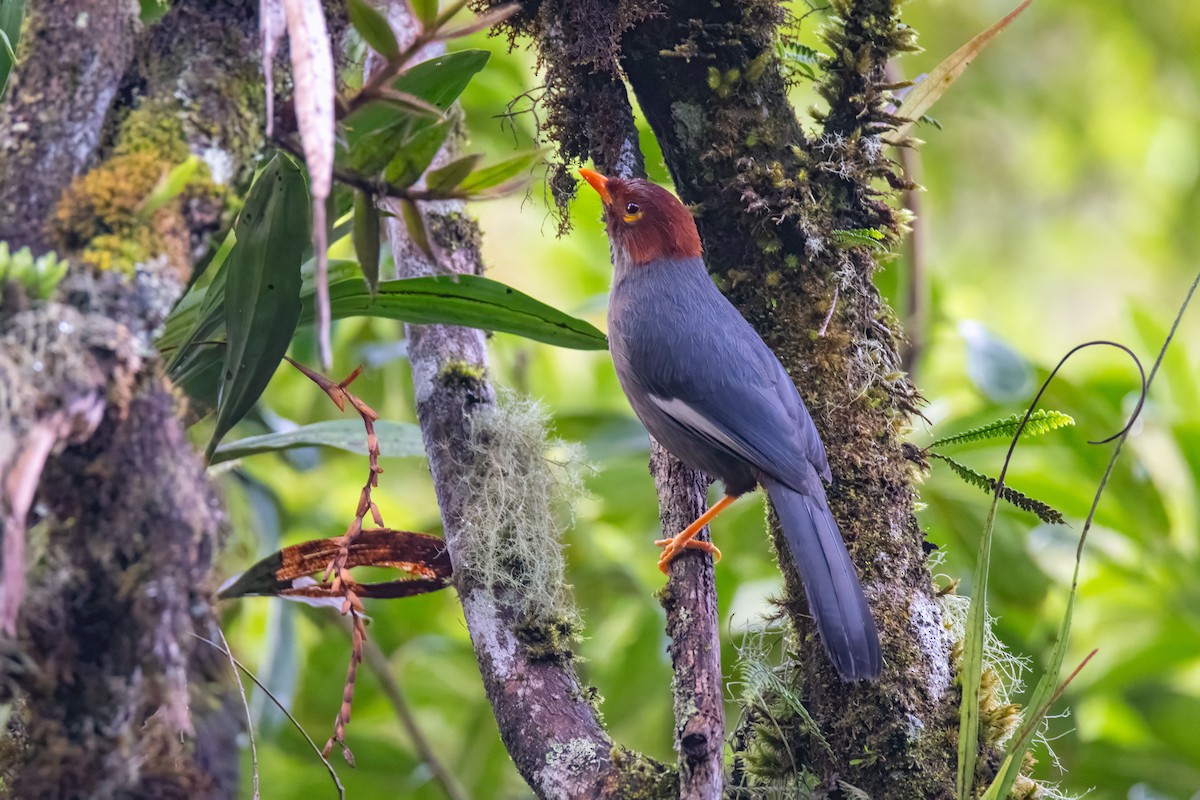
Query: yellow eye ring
[{"x": 633, "y": 212}]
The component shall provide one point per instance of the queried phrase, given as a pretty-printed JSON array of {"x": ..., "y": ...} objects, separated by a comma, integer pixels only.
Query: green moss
[
  {"x": 154, "y": 128},
  {"x": 462, "y": 374},
  {"x": 640, "y": 778},
  {"x": 549, "y": 638}
]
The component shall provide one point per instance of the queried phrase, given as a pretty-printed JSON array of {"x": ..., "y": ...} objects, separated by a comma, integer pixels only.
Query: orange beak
[{"x": 598, "y": 182}]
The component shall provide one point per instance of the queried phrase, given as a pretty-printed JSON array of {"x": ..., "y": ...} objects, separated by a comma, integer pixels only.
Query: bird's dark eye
[{"x": 633, "y": 212}]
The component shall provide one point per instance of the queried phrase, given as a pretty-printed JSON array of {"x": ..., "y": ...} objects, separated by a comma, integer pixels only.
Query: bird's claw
[{"x": 672, "y": 547}]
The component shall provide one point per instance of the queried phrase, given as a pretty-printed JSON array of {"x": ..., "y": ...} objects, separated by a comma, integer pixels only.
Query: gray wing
[{"x": 724, "y": 384}]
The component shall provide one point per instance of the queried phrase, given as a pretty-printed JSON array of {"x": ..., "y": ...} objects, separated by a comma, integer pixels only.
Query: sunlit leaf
[
  {"x": 373, "y": 27},
  {"x": 396, "y": 440},
  {"x": 927, "y": 92},
  {"x": 496, "y": 174},
  {"x": 1040, "y": 421},
  {"x": 171, "y": 186},
  {"x": 262, "y": 289},
  {"x": 426, "y": 11},
  {"x": 466, "y": 300}
]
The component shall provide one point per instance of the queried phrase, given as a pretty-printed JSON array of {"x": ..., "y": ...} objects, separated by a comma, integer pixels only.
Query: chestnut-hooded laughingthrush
[{"x": 711, "y": 392}]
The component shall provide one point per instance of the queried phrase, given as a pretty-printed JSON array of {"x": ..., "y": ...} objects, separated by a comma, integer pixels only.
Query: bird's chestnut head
[{"x": 645, "y": 222}]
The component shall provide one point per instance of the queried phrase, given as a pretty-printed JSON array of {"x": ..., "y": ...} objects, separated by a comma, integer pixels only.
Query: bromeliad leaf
[
  {"x": 467, "y": 300},
  {"x": 1040, "y": 422},
  {"x": 262, "y": 289},
  {"x": 373, "y": 27},
  {"x": 396, "y": 440}
]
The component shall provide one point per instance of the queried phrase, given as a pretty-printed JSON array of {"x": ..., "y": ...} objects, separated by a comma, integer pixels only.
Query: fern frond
[
  {"x": 1040, "y": 421},
  {"x": 860, "y": 237},
  {"x": 1044, "y": 511}
]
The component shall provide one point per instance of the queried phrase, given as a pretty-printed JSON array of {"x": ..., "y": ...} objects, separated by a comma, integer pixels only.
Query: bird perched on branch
[{"x": 714, "y": 395}]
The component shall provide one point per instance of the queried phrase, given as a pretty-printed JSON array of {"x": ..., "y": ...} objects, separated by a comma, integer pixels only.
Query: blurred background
[{"x": 1061, "y": 200}]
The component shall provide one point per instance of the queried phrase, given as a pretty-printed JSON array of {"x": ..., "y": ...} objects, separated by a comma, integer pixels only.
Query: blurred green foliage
[{"x": 1061, "y": 197}]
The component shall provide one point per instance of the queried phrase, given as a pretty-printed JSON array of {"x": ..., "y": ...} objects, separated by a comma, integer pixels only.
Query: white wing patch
[{"x": 689, "y": 417}]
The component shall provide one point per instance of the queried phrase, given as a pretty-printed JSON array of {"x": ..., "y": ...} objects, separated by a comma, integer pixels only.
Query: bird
[{"x": 709, "y": 389}]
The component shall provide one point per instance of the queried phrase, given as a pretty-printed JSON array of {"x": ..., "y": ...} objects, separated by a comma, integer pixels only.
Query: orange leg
[{"x": 687, "y": 537}]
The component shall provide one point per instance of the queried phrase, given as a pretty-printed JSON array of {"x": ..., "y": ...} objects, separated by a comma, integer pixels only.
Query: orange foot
[
  {"x": 677, "y": 544},
  {"x": 687, "y": 537}
]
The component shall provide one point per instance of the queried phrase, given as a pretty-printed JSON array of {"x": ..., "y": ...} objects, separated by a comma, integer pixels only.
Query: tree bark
[
  {"x": 774, "y": 202},
  {"x": 546, "y": 720},
  {"x": 115, "y": 694}
]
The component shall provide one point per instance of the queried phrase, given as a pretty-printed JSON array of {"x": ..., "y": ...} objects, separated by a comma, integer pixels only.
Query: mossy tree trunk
[
  {"x": 115, "y": 694},
  {"x": 771, "y": 196}
]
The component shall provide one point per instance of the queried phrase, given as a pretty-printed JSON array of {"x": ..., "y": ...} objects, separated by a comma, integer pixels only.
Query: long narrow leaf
[
  {"x": 262, "y": 290},
  {"x": 927, "y": 92},
  {"x": 466, "y": 300},
  {"x": 396, "y": 440},
  {"x": 11, "y": 14}
]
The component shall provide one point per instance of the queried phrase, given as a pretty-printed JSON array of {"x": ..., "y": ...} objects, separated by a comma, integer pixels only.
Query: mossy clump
[
  {"x": 640, "y": 778},
  {"x": 99, "y": 214},
  {"x": 152, "y": 128},
  {"x": 549, "y": 639},
  {"x": 512, "y": 544}
]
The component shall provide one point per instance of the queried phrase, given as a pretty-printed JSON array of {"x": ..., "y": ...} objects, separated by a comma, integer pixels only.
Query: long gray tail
[{"x": 834, "y": 594}]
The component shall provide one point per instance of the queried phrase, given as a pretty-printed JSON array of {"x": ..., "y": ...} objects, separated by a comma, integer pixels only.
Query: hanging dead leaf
[{"x": 288, "y": 572}]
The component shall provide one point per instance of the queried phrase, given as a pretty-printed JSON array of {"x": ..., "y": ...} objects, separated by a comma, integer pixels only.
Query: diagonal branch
[{"x": 548, "y": 725}]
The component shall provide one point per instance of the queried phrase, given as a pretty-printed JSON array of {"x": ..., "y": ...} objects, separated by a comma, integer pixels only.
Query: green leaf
[
  {"x": 926, "y": 93},
  {"x": 497, "y": 174},
  {"x": 12, "y": 12},
  {"x": 366, "y": 237},
  {"x": 373, "y": 27},
  {"x": 466, "y": 300},
  {"x": 441, "y": 80},
  {"x": 425, "y": 10},
  {"x": 1040, "y": 422},
  {"x": 447, "y": 178},
  {"x": 396, "y": 440},
  {"x": 262, "y": 290},
  {"x": 415, "y": 153},
  {"x": 414, "y": 223},
  {"x": 170, "y": 187},
  {"x": 377, "y": 132},
  {"x": 1044, "y": 511}
]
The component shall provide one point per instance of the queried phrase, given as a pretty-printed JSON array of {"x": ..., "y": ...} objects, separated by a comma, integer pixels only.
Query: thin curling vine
[{"x": 972, "y": 656}]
